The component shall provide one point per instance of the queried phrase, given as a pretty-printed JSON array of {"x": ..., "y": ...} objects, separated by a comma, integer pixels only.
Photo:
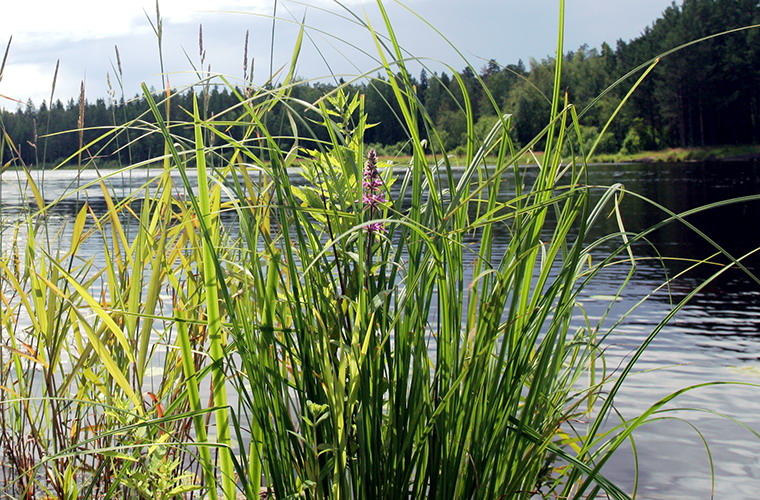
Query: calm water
[{"x": 716, "y": 337}]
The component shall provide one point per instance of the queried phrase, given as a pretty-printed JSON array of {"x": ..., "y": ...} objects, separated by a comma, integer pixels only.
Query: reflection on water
[{"x": 716, "y": 337}]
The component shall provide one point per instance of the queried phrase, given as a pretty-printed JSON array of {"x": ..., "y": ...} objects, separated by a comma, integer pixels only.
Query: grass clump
[
  {"x": 358, "y": 330},
  {"x": 85, "y": 345}
]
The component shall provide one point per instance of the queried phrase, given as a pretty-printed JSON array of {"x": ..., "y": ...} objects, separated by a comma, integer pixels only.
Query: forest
[{"x": 706, "y": 94}]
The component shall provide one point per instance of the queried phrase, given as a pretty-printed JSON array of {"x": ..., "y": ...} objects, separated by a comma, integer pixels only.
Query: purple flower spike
[
  {"x": 376, "y": 227},
  {"x": 373, "y": 199},
  {"x": 372, "y": 195}
]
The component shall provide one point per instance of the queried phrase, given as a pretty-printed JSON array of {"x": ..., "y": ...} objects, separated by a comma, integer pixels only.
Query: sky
[{"x": 82, "y": 37}]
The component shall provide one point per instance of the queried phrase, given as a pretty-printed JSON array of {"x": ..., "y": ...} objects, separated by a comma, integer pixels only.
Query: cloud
[
  {"x": 52, "y": 22},
  {"x": 82, "y": 35},
  {"x": 25, "y": 80}
]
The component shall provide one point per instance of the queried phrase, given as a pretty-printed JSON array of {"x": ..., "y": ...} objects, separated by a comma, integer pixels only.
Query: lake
[{"x": 716, "y": 337}]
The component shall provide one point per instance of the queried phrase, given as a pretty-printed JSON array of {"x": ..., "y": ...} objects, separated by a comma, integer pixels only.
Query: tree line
[{"x": 705, "y": 94}]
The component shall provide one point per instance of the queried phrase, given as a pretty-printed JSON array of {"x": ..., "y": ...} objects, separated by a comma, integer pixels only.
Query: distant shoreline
[
  {"x": 749, "y": 152},
  {"x": 668, "y": 155}
]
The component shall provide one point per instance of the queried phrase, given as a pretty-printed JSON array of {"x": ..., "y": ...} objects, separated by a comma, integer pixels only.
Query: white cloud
[
  {"x": 82, "y": 35},
  {"x": 51, "y": 22},
  {"x": 24, "y": 81}
]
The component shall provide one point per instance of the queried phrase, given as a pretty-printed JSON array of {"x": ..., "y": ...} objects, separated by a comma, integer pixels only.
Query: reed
[{"x": 361, "y": 333}]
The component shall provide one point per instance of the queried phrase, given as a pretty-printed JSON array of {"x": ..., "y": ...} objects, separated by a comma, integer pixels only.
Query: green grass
[
  {"x": 343, "y": 338},
  {"x": 674, "y": 155},
  {"x": 669, "y": 155}
]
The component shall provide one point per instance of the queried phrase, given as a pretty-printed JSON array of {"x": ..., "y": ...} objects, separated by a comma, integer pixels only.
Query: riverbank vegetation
[
  {"x": 668, "y": 155},
  {"x": 703, "y": 96},
  {"x": 681, "y": 155},
  {"x": 357, "y": 332}
]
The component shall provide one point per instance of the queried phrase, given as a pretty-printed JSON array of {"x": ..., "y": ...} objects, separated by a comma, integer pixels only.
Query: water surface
[{"x": 715, "y": 337}]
